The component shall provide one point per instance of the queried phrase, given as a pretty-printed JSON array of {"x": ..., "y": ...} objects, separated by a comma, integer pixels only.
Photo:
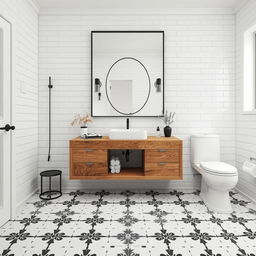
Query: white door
[{"x": 5, "y": 118}]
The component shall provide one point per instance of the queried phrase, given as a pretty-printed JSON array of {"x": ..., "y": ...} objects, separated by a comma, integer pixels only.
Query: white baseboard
[
  {"x": 245, "y": 195},
  {"x": 20, "y": 204}
]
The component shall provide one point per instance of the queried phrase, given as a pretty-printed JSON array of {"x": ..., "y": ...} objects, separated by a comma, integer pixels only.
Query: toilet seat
[{"x": 218, "y": 168}]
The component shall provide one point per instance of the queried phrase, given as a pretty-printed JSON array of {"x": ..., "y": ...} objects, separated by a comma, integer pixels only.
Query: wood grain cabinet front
[
  {"x": 162, "y": 162},
  {"x": 162, "y": 155},
  {"x": 88, "y": 162},
  {"x": 171, "y": 170},
  {"x": 90, "y": 155},
  {"x": 90, "y": 169},
  {"x": 162, "y": 159}
]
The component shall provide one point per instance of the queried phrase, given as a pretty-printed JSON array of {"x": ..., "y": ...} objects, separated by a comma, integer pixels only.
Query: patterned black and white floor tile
[{"x": 151, "y": 223}]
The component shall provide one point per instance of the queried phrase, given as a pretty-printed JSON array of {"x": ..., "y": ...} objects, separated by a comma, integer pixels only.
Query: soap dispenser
[{"x": 158, "y": 133}]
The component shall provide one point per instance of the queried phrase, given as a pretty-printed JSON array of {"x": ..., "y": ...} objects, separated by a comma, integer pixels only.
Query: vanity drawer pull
[
  {"x": 88, "y": 150},
  {"x": 162, "y": 150},
  {"x": 89, "y": 164},
  {"x": 162, "y": 163}
]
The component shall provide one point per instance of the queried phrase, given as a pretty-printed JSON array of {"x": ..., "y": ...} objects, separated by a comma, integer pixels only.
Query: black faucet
[{"x": 127, "y": 123}]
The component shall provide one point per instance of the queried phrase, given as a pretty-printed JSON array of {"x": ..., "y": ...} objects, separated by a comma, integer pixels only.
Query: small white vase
[{"x": 83, "y": 131}]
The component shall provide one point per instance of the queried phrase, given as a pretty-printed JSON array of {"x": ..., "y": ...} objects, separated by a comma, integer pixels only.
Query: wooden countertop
[{"x": 106, "y": 143}]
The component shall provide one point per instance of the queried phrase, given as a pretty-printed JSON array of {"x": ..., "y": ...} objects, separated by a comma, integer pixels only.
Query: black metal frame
[
  {"x": 47, "y": 195},
  {"x": 123, "y": 31},
  {"x": 149, "y": 86}
]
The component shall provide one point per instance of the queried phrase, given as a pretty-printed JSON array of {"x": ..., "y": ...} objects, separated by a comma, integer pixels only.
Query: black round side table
[{"x": 50, "y": 194}]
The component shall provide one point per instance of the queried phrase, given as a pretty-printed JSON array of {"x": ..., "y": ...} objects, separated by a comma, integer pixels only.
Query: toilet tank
[{"x": 204, "y": 148}]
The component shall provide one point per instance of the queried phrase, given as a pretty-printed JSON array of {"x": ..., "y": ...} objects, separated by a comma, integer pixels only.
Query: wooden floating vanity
[{"x": 162, "y": 159}]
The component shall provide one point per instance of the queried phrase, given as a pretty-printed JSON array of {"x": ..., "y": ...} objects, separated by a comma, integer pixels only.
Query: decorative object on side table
[
  {"x": 92, "y": 135},
  {"x": 168, "y": 120},
  {"x": 83, "y": 121}
]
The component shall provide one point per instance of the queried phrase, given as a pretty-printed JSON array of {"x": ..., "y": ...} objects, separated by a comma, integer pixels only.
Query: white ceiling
[{"x": 139, "y": 4}]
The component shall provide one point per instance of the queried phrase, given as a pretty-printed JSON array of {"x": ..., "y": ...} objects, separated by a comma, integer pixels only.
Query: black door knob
[{"x": 8, "y": 127}]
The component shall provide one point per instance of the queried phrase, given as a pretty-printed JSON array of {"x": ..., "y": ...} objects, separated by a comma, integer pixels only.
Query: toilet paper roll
[
  {"x": 249, "y": 168},
  {"x": 115, "y": 169},
  {"x": 112, "y": 162},
  {"x": 112, "y": 169},
  {"x": 115, "y": 166}
]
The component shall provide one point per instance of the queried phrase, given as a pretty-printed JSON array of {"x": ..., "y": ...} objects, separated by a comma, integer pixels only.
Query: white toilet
[{"x": 218, "y": 178}]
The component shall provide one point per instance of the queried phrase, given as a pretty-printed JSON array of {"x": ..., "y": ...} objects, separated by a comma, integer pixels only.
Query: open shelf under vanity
[
  {"x": 158, "y": 159},
  {"x": 132, "y": 173}
]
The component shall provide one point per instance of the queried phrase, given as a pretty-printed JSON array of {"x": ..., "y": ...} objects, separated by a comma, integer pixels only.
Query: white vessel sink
[{"x": 130, "y": 134}]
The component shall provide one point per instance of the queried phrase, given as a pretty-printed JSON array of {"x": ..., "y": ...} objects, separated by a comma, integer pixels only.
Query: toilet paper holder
[
  {"x": 250, "y": 167},
  {"x": 252, "y": 158}
]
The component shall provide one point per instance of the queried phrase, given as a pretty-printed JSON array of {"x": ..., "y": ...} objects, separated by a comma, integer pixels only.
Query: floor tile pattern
[{"x": 128, "y": 223}]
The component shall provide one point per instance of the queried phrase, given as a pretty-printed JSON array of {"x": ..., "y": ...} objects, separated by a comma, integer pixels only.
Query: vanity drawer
[
  {"x": 89, "y": 155},
  {"x": 162, "y": 155},
  {"x": 90, "y": 169},
  {"x": 162, "y": 169}
]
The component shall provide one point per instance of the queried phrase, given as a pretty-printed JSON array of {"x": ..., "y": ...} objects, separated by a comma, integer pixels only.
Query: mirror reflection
[{"x": 128, "y": 86}]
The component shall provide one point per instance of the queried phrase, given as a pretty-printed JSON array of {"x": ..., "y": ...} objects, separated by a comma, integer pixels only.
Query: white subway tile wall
[
  {"x": 199, "y": 84},
  {"x": 24, "y": 18},
  {"x": 245, "y": 124}
]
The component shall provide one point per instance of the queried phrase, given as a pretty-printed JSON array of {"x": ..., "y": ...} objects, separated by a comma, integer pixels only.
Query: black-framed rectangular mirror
[{"x": 127, "y": 73}]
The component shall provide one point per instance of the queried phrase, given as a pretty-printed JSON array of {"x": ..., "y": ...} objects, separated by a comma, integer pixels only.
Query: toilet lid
[{"x": 219, "y": 168}]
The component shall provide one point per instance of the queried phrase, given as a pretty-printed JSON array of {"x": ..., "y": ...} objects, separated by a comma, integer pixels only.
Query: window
[{"x": 249, "y": 72}]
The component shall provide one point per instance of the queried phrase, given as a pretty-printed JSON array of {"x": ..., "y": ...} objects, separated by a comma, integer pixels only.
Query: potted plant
[
  {"x": 168, "y": 120},
  {"x": 83, "y": 121}
]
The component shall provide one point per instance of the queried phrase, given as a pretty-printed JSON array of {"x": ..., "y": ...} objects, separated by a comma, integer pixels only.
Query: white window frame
[{"x": 249, "y": 72}]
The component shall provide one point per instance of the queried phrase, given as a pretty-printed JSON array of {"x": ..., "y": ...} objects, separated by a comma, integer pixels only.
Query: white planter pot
[{"x": 83, "y": 131}]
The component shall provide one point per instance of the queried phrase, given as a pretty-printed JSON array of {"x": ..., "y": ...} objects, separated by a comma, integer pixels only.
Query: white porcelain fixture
[
  {"x": 218, "y": 178},
  {"x": 127, "y": 134}
]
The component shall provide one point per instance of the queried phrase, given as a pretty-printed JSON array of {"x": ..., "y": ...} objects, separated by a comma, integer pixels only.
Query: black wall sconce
[
  {"x": 158, "y": 84},
  {"x": 98, "y": 84}
]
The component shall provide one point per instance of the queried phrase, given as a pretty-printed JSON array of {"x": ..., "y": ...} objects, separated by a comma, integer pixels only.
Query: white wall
[
  {"x": 199, "y": 79},
  {"x": 245, "y": 124},
  {"x": 23, "y": 14}
]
